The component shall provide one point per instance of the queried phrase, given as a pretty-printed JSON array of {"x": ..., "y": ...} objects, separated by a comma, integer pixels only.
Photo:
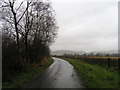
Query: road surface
[{"x": 60, "y": 74}]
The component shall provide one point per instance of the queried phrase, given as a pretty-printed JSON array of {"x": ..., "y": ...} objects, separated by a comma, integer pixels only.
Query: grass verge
[
  {"x": 23, "y": 78},
  {"x": 94, "y": 76}
]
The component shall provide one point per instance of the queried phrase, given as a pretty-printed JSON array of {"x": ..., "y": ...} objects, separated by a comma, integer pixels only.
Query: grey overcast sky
[{"x": 86, "y": 25}]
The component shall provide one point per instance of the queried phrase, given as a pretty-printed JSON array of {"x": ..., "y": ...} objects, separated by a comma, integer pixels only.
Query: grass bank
[
  {"x": 95, "y": 76},
  {"x": 23, "y": 78}
]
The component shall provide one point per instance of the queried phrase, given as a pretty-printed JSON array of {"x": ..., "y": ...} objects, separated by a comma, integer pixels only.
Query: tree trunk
[
  {"x": 26, "y": 48},
  {"x": 16, "y": 28}
]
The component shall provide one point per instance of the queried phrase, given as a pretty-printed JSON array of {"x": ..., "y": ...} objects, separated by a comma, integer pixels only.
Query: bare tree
[
  {"x": 40, "y": 25},
  {"x": 28, "y": 29},
  {"x": 13, "y": 16}
]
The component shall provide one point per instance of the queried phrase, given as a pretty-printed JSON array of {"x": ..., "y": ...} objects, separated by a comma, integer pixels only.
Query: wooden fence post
[
  {"x": 119, "y": 64},
  {"x": 100, "y": 61},
  {"x": 108, "y": 62}
]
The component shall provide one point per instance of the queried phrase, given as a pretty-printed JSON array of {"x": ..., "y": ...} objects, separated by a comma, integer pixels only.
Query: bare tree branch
[
  {"x": 19, "y": 6},
  {"x": 24, "y": 12}
]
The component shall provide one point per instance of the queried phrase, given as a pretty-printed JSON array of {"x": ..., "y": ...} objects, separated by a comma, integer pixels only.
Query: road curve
[{"x": 60, "y": 74}]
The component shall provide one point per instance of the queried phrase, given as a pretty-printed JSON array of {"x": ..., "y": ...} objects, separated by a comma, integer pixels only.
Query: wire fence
[{"x": 109, "y": 62}]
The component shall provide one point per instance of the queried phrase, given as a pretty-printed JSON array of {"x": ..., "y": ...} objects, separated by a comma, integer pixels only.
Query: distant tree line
[
  {"x": 28, "y": 29},
  {"x": 93, "y": 54}
]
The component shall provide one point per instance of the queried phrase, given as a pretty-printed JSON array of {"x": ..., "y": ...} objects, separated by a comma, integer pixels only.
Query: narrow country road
[{"x": 60, "y": 74}]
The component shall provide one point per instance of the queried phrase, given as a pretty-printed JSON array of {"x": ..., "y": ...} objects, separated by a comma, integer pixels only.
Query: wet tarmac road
[{"x": 60, "y": 74}]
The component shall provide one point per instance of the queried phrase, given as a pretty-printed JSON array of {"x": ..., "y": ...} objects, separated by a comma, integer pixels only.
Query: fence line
[{"x": 110, "y": 62}]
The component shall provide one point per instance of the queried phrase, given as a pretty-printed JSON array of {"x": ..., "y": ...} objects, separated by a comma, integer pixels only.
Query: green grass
[
  {"x": 22, "y": 79},
  {"x": 94, "y": 76}
]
